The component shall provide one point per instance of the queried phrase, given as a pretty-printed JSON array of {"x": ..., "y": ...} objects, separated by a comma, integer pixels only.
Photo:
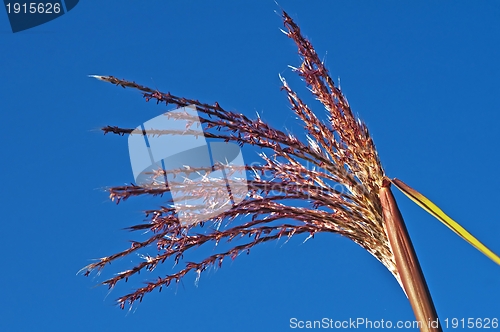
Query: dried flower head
[{"x": 336, "y": 173}]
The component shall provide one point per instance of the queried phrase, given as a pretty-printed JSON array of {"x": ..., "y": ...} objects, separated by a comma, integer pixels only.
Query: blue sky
[{"x": 423, "y": 76}]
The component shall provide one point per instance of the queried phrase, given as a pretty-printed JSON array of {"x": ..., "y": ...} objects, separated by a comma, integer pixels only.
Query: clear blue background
[{"x": 423, "y": 76}]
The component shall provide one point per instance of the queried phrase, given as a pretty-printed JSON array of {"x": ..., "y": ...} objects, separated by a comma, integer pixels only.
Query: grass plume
[{"x": 335, "y": 172}]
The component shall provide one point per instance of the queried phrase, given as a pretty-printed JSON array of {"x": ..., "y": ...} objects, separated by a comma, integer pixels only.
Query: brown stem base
[{"x": 409, "y": 270}]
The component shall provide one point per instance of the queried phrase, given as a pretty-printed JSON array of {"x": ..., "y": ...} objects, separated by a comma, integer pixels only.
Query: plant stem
[{"x": 407, "y": 264}]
